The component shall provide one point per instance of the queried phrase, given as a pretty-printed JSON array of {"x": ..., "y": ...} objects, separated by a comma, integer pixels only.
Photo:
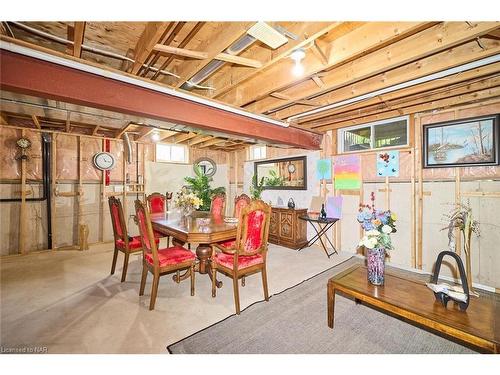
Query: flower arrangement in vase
[
  {"x": 378, "y": 226},
  {"x": 187, "y": 201}
]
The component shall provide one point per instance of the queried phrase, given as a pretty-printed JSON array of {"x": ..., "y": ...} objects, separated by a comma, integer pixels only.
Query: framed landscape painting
[{"x": 462, "y": 143}]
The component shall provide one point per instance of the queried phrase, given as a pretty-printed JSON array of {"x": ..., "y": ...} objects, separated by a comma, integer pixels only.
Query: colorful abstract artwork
[
  {"x": 347, "y": 172},
  {"x": 388, "y": 164},
  {"x": 334, "y": 207},
  {"x": 324, "y": 169}
]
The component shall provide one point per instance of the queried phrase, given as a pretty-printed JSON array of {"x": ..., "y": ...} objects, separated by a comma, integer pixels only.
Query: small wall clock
[{"x": 104, "y": 161}]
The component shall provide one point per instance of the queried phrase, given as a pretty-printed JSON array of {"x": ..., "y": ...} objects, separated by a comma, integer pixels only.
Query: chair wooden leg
[
  {"x": 113, "y": 264},
  {"x": 236, "y": 294},
  {"x": 214, "y": 281},
  {"x": 168, "y": 241},
  {"x": 125, "y": 266},
  {"x": 243, "y": 281},
  {"x": 264, "y": 283},
  {"x": 178, "y": 276},
  {"x": 154, "y": 291},
  {"x": 192, "y": 279},
  {"x": 143, "y": 278}
]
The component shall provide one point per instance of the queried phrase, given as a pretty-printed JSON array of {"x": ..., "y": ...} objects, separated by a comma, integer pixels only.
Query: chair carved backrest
[
  {"x": 157, "y": 203},
  {"x": 253, "y": 228},
  {"x": 218, "y": 205},
  {"x": 240, "y": 202},
  {"x": 143, "y": 220},
  {"x": 118, "y": 220}
]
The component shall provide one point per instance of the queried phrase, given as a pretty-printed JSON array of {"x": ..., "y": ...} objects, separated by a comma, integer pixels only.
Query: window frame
[
  {"x": 186, "y": 153},
  {"x": 372, "y": 125},
  {"x": 251, "y": 150}
]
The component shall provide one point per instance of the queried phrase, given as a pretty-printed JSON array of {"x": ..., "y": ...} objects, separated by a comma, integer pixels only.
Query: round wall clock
[
  {"x": 291, "y": 168},
  {"x": 104, "y": 161}
]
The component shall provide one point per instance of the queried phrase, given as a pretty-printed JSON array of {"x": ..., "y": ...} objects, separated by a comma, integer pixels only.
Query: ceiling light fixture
[
  {"x": 297, "y": 56},
  {"x": 155, "y": 136}
]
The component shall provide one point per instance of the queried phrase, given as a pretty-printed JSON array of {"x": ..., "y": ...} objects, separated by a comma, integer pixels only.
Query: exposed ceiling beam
[
  {"x": 355, "y": 43},
  {"x": 144, "y": 133},
  {"x": 225, "y": 35},
  {"x": 184, "y": 137},
  {"x": 23, "y": 74},
  {"x": 124, "y": 130},
  {"x": 200, "y": 139},
  {"x": 314, "y": 30},
  {"x": 211, "y": 142},
  {"x": 421, "y": 89},
  {"x": 460, "y": 99},
  {"x": 238, "y": 60},
  {"x": 444, "y": 60},
  {"x": 169, "y": 135},
  {"x": 78, "y": 36},
  {"x": 148, "y": 39},
  {"x": 413, "y": 48},
  {"x": 181, "y": 52},
  {"x": 36, "y": 122}
]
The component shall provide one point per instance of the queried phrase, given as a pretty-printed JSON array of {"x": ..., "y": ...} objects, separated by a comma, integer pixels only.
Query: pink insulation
[
  {"x": 89, "y": 147},
  {"x": 66, "y": 157},
  {"x": 116, "y": 149},
  {"x": 10, "y": 168}
]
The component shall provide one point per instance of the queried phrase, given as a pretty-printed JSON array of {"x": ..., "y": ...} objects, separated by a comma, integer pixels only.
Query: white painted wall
[{"x": 163, "y": 177}]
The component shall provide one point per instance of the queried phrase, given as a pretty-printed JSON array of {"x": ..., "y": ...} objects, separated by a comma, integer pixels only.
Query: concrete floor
[{"x": 67, "y": 302}]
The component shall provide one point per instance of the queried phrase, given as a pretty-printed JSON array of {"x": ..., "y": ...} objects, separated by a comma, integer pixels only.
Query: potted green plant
[
  {"x": 200, "y": 185},
  {"x": 256, "y": 187}
]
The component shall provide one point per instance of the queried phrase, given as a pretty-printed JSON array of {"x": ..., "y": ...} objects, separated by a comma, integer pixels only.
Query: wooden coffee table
[{"x": 412, "y": 300}]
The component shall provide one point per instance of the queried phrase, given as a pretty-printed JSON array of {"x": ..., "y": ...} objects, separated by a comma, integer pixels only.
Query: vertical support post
[
  {"x": 103, "y": 199},
  {"x": 412, "y": 215},
  {"x": 420, "y": 207},
  {"x": 53, "y": 191},
  {"x": 124, "y": 177},
  {"x": 22, "y": 214},
  {"x": 458, "y": 239},
  {"x": 79, "y": 190},
  {"x": 236, "y": 172},
  {"x": 387, "y": 194}
]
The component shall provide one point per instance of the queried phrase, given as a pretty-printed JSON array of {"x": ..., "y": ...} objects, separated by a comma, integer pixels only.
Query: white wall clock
[{"x": 104, "y": 161}]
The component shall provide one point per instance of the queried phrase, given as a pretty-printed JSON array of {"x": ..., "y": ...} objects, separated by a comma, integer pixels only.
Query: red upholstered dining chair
[
  {"x": 218, "y": 205},
  {"x": 158, "y": 203},
  {"x": 247, "y": 254},
  {"x": 123, "y": 242},
  {"x": 240, "y": 202},
  {"x": 159, "y": 261}
]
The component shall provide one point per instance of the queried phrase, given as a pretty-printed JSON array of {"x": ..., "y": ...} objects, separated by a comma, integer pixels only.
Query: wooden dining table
[{"x": 200, "y": 227}]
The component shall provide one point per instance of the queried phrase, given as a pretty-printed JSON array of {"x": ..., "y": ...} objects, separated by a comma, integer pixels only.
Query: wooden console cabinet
[{"x": 286, "y": 229}]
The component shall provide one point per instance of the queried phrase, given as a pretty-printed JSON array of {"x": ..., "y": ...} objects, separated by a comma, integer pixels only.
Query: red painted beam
[{"x": 28, "y": 75}]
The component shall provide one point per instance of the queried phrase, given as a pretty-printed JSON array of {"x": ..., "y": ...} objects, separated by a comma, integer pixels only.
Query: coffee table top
[{"x": 482, "y": 318}]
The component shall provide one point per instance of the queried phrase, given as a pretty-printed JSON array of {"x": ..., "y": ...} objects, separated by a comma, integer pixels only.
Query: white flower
[
  {"x": 370, "y": 243},
  {"x": 386, "y": 229},
  {"x": 373, "y": 232}
]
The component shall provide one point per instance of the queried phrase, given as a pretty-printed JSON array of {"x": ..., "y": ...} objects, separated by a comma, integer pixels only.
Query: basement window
[
  {"x": 375, "y": 135},
  {"x": 171, "y": 153},
  {"x": 257, "y": 152}
]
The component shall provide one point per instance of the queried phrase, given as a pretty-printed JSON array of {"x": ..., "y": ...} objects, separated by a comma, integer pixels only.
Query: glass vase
[
  {"x": 376, "y": 264},
  {"x": 187, "y": 210}
]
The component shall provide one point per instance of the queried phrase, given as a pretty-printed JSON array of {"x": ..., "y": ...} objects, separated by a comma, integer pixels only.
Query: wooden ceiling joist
[
  {"x": 123, "y": 130},
  {"x": 200, "y": 139},
  {"x": 444, "y": 60},
  {"x": 413, "y": 48},
  {"x": 180, "y": 138},
  {"x": 368, "y": 37},
  {"x": 226, "y": 35},
  {"x": 79, "y": 34},
  {"x": 460, "y": 99},
  {"x": 149, "y": 38},
  {"x": 211, "y": 142},
  {"x": 36, "y": 122},
  {"x": 181, "y": 52},
  {"x": 314, "y": 30}
]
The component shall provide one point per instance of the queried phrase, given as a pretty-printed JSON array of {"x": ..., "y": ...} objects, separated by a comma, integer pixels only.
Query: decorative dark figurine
[
  {"x": 444, "y": 292},
  {"x": 322, "y": 214},
  {"x": 291, "y": 203}
]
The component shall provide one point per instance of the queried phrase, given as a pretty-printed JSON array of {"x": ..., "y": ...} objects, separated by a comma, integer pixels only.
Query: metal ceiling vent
[{"x": 267, "y": 35}]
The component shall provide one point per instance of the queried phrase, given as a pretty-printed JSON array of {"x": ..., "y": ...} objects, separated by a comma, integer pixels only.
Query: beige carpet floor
[{"x": 67, "y": 302}]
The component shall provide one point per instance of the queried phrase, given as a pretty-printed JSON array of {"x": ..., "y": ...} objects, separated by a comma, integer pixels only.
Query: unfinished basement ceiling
[
  {"x": 30, "y": 112},
  {"x": 343, "y": 61}
]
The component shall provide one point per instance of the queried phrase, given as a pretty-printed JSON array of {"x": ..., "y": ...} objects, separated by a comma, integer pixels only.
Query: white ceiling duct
[{"x": 267, "y": 35}]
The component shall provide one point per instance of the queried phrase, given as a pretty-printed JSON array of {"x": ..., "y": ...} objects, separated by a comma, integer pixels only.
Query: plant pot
[{"x": 376, "y": 265}]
